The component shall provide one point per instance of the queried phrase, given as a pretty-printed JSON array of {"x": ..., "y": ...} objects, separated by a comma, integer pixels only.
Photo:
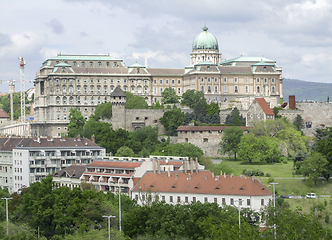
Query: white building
[
  {"x": 35, "y": 158},
  {"x": 203, "y": 186}
]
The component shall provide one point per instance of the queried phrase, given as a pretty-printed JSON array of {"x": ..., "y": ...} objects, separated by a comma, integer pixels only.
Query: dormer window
[{"x": 137, "y": 69}]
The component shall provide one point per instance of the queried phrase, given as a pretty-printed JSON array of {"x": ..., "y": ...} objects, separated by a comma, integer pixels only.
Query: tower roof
[
  {"x": 118, "y": 92},
  {"x": 205, "y": 40}
]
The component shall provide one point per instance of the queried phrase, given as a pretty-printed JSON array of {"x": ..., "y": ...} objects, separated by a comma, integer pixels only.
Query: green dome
[{"x": 205, "y": 40}]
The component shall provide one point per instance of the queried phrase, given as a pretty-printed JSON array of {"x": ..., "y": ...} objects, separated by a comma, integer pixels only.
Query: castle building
[{"x": 84, "y": 81}]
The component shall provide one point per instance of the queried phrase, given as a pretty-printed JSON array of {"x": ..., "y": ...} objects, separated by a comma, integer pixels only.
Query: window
[
  {"x": 161, "y": 90},
  {"x": 64, "y": 100},
  {"x": 209, "y": 79},
  {"x": 225, "y": 89},
  {"x": 137, "y": 70},
  {"x": 202, "y": 79},
  {"x": 166, "y": 81},
  {"x": 215, "y": 200},
  {"x": 205, "y": 139},
  {"x": 240, "y": 201},
  {"x": 236, "y": 89},
  {"x": 163, "y": 198},
  {"x": 154, "y": 90},
  {"x": 83, "y": 63},
  {"x": 225, "y": 80},
  {"x": 70, "y": 89},
  {"x": 232, "y": 201},
  {"x": 71, "y": 101},
  {"x": 179, "y": 199},
  {"x": 209, "y": 89},
  {"x": 257, "y": 80},
  {"x": 258, "y": 89},
  {"x": 64, "y": 89},
  {"x": 235, "y": 80},
  {"x": 155, "y": 81},
  {"x": 215, "y": 79},
  {"x": 78, "y": 89},
  {"x": 105, "y": 89},
  {"x": 194, "y": 199},
  {"x": 173, "y": 81},
  {"x": 78, "y": 99},
  {"x": 179, "y": 81},
  {"x": 57, "y": 100},
  {"x": 161, "y": 81},
  {"x": 91, "y": 63},
  {"x": 170, "y": 198},
  {"x": 246, "y": 80},
  {"x": 272, "y": 80},
  {"x": 262, "y": 202},
  {"x": 74, "y": 63},
  {"x": 248, "y": 202},
  {"x": 185, "y": 199},
  {"x": 273, "y": 89},
  {"x": 85, "y": 89},
  {"x": 205, "y": 199},
  {"x": 179, "y": 90},
  {"x": 265, "y": 80},
  {"x": 202, "y": 88},
  {"x": 91, "y": 88},
  {"x": 216, "y": 89},
  {"x": 223, "y": 200},
  {"x": 246, "y": 89},
  {"x": 57, "y": 89}
]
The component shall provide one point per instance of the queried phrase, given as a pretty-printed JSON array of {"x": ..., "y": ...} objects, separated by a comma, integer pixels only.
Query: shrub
[{"x": 267, "y": 175}]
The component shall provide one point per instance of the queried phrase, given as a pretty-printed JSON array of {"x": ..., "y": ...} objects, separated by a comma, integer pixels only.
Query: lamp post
[
  {"x": 240, "y": 201},
  {"x": 109, "y": 225},
  {"x": 119, "y": 204},
  {"x": 274, "y": 205},
  {"x": 7, "y": 211}
]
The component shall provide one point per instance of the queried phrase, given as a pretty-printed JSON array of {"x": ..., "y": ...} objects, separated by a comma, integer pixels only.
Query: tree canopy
[
  {"x": 195, "y": 100},
  {"x": 169, "y": 96},
  {"x": 172, "y": 119},
  {"x": 231, "y": 140},
  {"x": 76, "y": 123}
]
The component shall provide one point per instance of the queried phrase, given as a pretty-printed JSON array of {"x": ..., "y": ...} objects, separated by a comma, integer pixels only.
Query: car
[
  {"x": 283, "y": 196},
  {"x": 290, "y": 196},
  {"x": 311, "y": 195}
]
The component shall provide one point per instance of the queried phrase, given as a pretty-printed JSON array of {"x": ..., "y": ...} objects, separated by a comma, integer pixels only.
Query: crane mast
[{"x": 22, "y": 81}]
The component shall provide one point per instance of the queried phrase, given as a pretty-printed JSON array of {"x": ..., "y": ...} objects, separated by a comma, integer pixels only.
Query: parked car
[
  {"x": 290, "y": 196},
  {"x": 311, "y": 195},
  {"x": 283, "y": 196}
]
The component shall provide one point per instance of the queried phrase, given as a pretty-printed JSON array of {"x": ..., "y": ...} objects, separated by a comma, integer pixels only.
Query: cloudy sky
[{"x": 295, "y": 33}]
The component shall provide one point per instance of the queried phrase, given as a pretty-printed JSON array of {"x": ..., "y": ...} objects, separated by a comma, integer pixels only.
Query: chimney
[
  {"x": 185, "y": 166},
  {"x": 158, "y": 166},
  {"x": 189, "y": 176},
  {"x": 154, "y": 165},
  {"x": 93, "y": 138},
  {"x": 63, "y": 138},
  {"x": 212, "y": 174},
  {"x": 78, "y": 137},
  {"x": 241, "y": 176},
  {"x": 220, "y": 173},
  {"x": 176, "y": 176},
  {"x": 259, "y": 180},
  {"x": 224, "y": 175},
  {"x": 196, "y": 163},
  {"x": 191, "y": 165},
  {"x": 231, "y": 175},
  {"x": 206, "y": 176},
  {"x": 169, "y": 171},
  {"x": 292, "y": 104},
  {"x": 253, "y": 178}
]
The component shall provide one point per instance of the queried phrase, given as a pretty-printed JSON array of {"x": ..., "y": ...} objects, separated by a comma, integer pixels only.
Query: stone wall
[
  {"x": 317, "y": 113},
  {"x": 291, "y": 114}
]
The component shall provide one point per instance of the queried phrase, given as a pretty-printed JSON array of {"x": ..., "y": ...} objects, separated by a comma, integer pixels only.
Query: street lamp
[
  {"x": 119, "y": 203},
  {"x": 109, "y": 225},
  {"x": 274, "y": 205},
  {"x": 7, "y": 211},
  {"x": 240, "y": 201}
]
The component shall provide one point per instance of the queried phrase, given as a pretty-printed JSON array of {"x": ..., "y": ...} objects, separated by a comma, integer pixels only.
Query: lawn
[{"x": 276, "y": 170}]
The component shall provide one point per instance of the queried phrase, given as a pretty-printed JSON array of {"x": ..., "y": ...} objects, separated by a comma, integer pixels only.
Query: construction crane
[
  {"x": 11, "y": 91},
  {"x": 22, "y": 80}
]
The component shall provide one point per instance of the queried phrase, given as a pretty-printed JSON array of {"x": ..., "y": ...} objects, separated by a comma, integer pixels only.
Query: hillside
[{"x": 306, "y": 90}]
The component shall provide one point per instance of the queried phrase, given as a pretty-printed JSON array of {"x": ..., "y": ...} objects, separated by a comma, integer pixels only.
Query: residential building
[
  {"x": 184, "y": 188},
  {"x": 259, "y": 110}
]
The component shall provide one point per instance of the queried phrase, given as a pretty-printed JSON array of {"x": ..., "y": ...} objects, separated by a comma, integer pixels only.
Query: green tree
[
  {"x": 276, "y": 112},
  {"x": 231, "y": 140},
  {"x": 267, "y": 149},
  {"x": 298, "y": 122},
  {"x": 248, "y": 147},
  {"x": 169, "y": 96},
  {"x": 212, "y": 108},
  {"x": 172, "y": 119},
  {"x": 215, "y": 119},
  {"x": 76, "y": 123},
  {"x": 103, "y": 111},
  {"x": 323, "y": 145},
  {"x": 157, "y": 105},
  {"x": 314, "y": 166},
  {"x": 269, "y": 127},
  {"x": 235, "y": 119},
  {"x": 195, "y": 100},
  {"x": 293, "y": 140},
  {"x": 135, "y": 102},
  {"x": 125, "y": 152}
]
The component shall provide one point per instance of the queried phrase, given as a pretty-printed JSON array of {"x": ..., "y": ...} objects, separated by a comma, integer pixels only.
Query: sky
[{"x": 295, "y": 33}]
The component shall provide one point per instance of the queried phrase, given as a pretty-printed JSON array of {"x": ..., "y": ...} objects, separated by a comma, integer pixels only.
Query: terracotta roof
[
  {"x": 200, "y": 183},
  {"x": 174, "y": 163},
  {"x": 108, "y": 174},
  {"x": 3, "y": 114},
  {"x": 115, "y": 164},
  {"x": 74, "y": 171},
  {"x": 57, "y": 143},
  {"x": 207, "y": 128},
  {"x": 265, "y": 107}
]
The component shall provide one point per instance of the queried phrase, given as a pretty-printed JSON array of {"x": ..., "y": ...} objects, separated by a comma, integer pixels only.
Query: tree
[
  {"x": 276, "y": 112},
  {"x": 323, "y": 145},
  {"x": 172, "y": 119},
  {"x": 293, "y": 140},
  {"x": 269, "y": 127},
  {"x": 169, "y": 96},
  {"x": 235, "y": 119},
  {"x": 189, "y": 117},
  {"x": 195, "y": 100},
  {"x": 76, "y": 123},
  {"x": 135, "y": 102},
  {"x": 298, "y": 122},
  {"x": 248, "y": 147},
  {"x": 212, "y": 108},
  {"x": 231, "y": 140},
  {"x": 314, "y": 166},
  {"x": 157, "y": 105},
  {"x": 125, "y": 152},
  {"x": 215, "y": 119},
  {"x": 103, "y": 111},
  {"x": 267, "y": 149}
]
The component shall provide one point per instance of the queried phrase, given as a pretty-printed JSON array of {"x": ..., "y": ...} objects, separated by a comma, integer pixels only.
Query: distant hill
[{"x": 306, "y": 90}]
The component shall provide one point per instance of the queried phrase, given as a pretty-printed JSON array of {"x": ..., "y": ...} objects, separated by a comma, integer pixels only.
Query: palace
[{"x": 84, "y": 81}]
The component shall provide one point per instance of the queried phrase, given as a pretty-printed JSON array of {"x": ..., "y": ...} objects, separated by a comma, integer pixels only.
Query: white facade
[{"x": 6, "y": 170}]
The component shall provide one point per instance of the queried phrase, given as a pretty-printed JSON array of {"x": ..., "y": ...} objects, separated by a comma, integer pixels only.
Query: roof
[
  {"x": 205, "y": 40},
  {"x": 235, "y": 70},
  {"x": 3, "y": 114},
  {"x": 73, "y": 171},
  {"x": 166, "y": 71},
  {"x": 137, "y": 65},
  {"x": 83, "y": 57},
  {"x": 7, "y": 144},
  {"x": 265, "y": 107},
  {"x": 202, "y": 182},
  {"x": 207, "y": 128},
  {"x": 82, "y": 143},
  {"x": 115, "y": 164},
  {"x": 118, "y": 92},
  {"x": 248, "y": 59}
]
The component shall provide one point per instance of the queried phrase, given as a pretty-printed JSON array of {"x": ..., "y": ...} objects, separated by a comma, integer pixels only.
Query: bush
[
  {"x": 270, "y": 180},
  {"x": 267, "y": 175},
  {"x": 249, "y": 173}
]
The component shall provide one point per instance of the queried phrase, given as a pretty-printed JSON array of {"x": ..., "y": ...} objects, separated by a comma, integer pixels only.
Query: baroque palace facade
[{"x": 84, "y": 81}]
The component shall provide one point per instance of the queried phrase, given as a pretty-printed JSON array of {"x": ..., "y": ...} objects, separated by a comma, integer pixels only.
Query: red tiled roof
[
  {"x": 207, "y": 128},
  {"x": 200, "y": 183},
  {"x": 108, "y": 174},
  {"x": 115, "y": 164},
  {"x": 174, "y": 163},
  {"x": 3, "y": 114},
  {"x": 265, "y": 107}
]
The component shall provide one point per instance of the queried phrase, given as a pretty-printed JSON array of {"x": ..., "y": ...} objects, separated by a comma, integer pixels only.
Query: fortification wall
[{"x": 319, "y": 113}]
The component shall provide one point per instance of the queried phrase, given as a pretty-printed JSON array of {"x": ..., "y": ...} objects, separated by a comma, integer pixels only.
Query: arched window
[
  {"x": 209, "y": 88},
  {"x": 64, "y": 100},
  {"x": 71, "y": 100},
  {"x": 57, "y": 100}
]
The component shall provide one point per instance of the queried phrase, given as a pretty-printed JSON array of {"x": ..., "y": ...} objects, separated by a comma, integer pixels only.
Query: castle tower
[
  {"x": 118, "y": 101},
  {"x": 205, "y": 48}
]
